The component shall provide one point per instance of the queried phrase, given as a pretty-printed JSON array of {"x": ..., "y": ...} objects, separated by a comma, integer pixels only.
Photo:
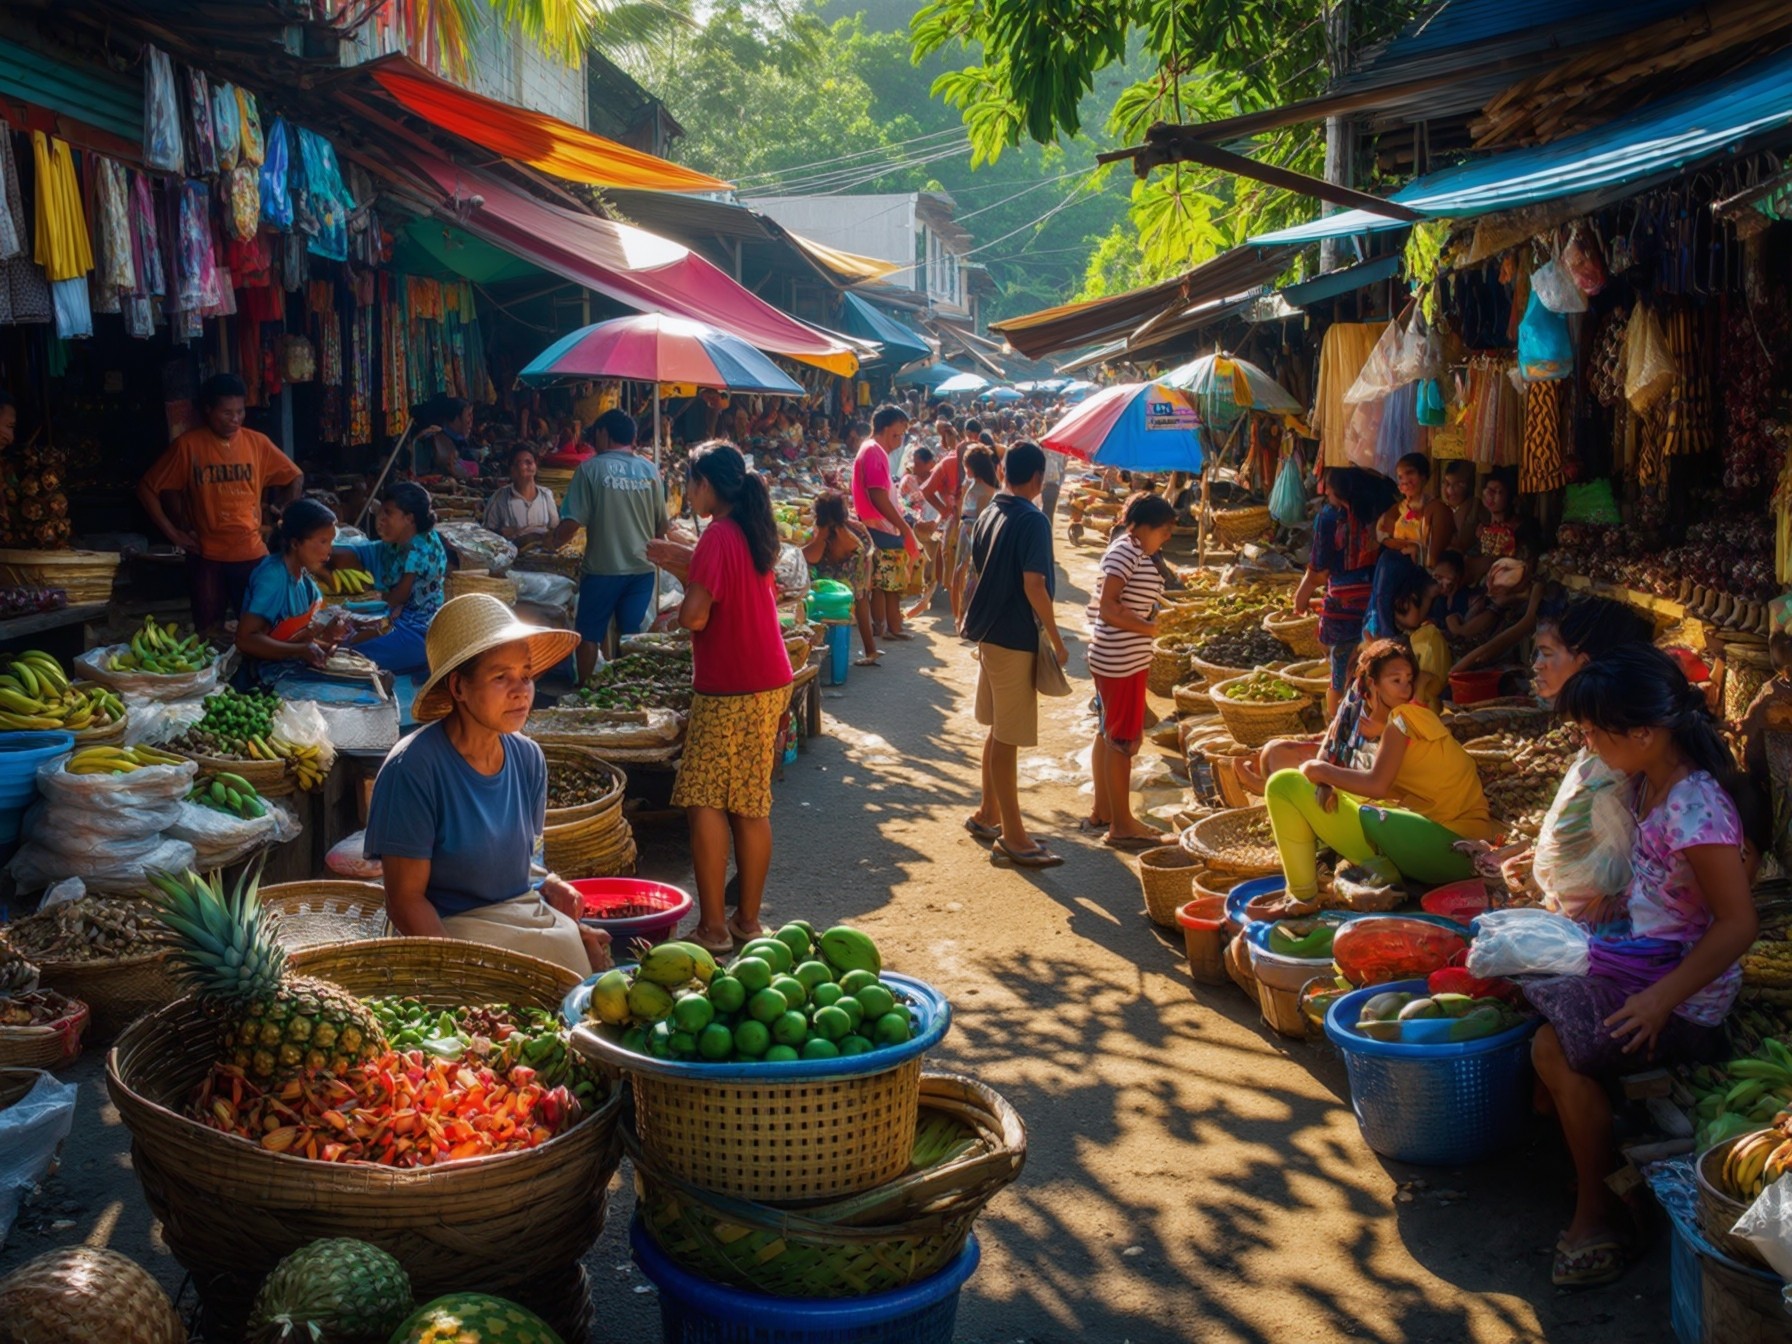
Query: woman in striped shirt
[{"x": 1123, "y": 623}]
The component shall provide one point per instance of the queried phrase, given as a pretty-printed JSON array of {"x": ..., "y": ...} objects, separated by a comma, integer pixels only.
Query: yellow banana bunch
[
  {"x": 350, "y": 582},
  {"x": 303, "y": 760},
  {"x": 35, "y": 694},
  {"x": 117, "y": 760}
]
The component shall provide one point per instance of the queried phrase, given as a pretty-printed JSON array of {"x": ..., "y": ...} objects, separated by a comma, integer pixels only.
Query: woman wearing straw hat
[
  {"x": 741, "y": 676},
  {"x": 459, "y": 806}
]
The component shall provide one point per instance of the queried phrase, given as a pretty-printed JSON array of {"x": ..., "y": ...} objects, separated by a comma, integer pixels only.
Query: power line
[
  {"x": 850, "y": 163},
  {"x": 858, "y": 154},
  {"x": 1044, "y": 182},
  {"x": 844, "y": 179}
]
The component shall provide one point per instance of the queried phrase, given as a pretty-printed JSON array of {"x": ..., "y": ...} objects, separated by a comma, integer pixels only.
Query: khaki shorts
[
  {"x": 527, "y": 924},
  {"x": 1007, "y": 701}
]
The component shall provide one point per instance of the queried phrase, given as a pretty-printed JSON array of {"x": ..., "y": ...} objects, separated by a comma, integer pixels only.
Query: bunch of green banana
[
  {"x": 349, "y": 582},
  {"x": 224, "y": 792},
  {"x": 163, "y": 650},
  {"x": 117, "y": 760},
  {"x": 35, "y": 693},
  {"x": 304, "y": 761},
  {"x": 1742, "y": 1095}
]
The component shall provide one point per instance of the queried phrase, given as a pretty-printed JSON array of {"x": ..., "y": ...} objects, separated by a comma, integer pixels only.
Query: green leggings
[{"x": 1419, "y": 848}]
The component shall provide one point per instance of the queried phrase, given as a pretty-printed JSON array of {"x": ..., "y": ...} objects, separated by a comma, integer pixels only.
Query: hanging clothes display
[
  {"x": 24, "y": 292},
  {"x": 1346, "y": 349},
  {"x": 195, "y": 262},
  {"x": 203, "y": 158},
  {"x": 327, "y": 202},
  {"x": 254, "y": 147},
  {"x": 146, "y": 254},
  {"x": 115, "y": 274},
  {"x": 162, "y": 149},
  {"x": 227, "y": 126},
  {"x": 62, "y": 246},
  {"x": 276, "y": 184},
  {"x": 359, "y": 429},
  {"x": 1687, "y": 427},
  {"x": 395, "y": 367},
  {"x": 1493, "y": 419},
  {"x": 1543, "y": 466},
  {"x": 241, "y": 191}
]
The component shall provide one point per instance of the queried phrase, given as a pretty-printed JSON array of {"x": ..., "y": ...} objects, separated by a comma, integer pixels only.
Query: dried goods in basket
[
  {"x": 1238, "y": 842},
  {"x": 41, "y": 1029},
  {"x": 1260, "y": 706},
  {"x": 1313, "y": 676},
  {"x": 581, "y": 783}
]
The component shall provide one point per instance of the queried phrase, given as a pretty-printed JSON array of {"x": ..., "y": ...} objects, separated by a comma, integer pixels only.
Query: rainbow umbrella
[
  {"x": 1132, "y": 427},
  {"x": 1225, "y": 387}
]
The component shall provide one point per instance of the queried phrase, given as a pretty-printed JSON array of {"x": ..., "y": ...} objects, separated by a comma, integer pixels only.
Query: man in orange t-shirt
[{"x": 206, "y": 493}]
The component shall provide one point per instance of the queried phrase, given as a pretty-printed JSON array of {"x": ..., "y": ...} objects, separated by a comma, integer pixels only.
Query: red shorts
[{"x": 1122, "y": 706}]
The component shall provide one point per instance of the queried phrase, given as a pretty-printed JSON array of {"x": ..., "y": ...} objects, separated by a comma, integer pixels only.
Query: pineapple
[
  {"x": 276, "y": 1025},
  {"x": 336, "y": 1291}
]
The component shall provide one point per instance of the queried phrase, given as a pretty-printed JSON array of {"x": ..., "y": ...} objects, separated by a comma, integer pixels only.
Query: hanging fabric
[
  {"x": 116, "y": 272},
  {"x": 1343, "y": 353},
  {"x": 241, "y": 188},
  {"x": 359, "y": 430},
  {"x": 276, "y": 187},
  {"x": 195, "y": 263},
  {"x": 1689, "y": 427},
  {"x": 24, "y": 292},
  {"x": 203, "y": 160},
  {"x": 327, "y": 200},
  {"x": 63, "y": 249},
  {"x": 254, "y": 147},
  {"x": 227, "y": 126},
  {"x": 161, "y": 114},
  {"x": 1543, "y": 466},
  {"x": 1493, "y": 418},
  {"x": 12, "y": 205}
]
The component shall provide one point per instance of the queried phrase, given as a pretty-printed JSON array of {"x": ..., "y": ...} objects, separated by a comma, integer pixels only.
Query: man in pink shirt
[{"x": 874, "y": 501}]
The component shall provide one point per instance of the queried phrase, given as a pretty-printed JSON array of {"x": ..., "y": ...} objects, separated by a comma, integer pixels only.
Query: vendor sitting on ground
[
  {"x": 524, "y": 508},
  {"x": 1427, "y": 793},
  {"x": 1506, "y": 616},
  {"x": 459, "y": 806},
  {"x": 409, "y": 566},
  {"x": 280, "y": 631}
]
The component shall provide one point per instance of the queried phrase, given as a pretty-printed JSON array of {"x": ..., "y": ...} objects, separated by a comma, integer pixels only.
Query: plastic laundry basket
[
  {"x": 1433, "y": 1104},
  {"x": 694, "y": 1310}
]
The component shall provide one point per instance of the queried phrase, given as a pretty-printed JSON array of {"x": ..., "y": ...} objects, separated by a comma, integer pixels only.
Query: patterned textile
[
  {"x": 1542, "y": 468},
  {"x": 728, "y": 752},
  {"x": 24, "y": 290},
  {"x": 889, "y": 570}
]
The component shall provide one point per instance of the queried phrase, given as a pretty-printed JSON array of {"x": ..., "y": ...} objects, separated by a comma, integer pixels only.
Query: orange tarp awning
[{"x": 541, "y": 141}]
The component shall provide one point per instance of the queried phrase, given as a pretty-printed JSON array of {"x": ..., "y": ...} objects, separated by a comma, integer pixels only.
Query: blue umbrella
[
  {"x": 930, "y": 377},
  {"x": 1133, "y": 427},
  {"x": 1004, "y": 394},
  {"x": 1078, "y": 387},
  {"x": 962, "y": 382}
]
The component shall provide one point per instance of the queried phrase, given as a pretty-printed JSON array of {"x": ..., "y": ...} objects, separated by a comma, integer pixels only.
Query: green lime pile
[{"x": 791, "y": 995}]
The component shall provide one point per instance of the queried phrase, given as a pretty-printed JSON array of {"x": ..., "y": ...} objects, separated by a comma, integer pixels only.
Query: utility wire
[
  {"x": 848, "y": 164},
  {"x": 834, "y": 182},
  {"x": 798, "y": 168}
]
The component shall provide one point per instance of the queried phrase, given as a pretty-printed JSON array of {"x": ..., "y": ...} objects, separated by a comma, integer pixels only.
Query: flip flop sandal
[
  {"x": 740, "y": 936},
  {"x": 900, "y": 634},
  {"x": 1136, "y": 844},
  {"x": 1088, "y": 827},
  {"x": 725, "y": 948},
  {"x": 1591, "y": 1266},
  {"x": 1036, "y": 857},
  {"x": 981, "y": 831},
  {"x": 872, "y": 661}
]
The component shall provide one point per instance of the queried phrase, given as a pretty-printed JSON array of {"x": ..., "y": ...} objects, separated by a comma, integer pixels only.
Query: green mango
[
  {"x": 1454, "y": 1005},
  {"x": 1378, "y": 1029},
  {"x": 1420, "y": 1008},
  {"x": 1482, "y": 1022},
  {"x": 1385, "y": 1007}
]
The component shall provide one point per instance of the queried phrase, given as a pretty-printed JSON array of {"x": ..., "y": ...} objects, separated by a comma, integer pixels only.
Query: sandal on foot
[
  {"x": 1037, "y": 857},
  {"x": 900, "y": 634},
  {"x": 1598, "y": 1262},
  {"x": 867, "y": 660},
  {"x": 981, "y": 831},
  {"x": 1090, "y": 826},
  {"x": 722, "y": 947},
  {"x": 1136, "y": 844},
  {"x": 741, "y": 936}
]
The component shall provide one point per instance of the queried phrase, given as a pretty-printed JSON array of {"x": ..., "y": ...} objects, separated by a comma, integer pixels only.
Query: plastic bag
[
  {"x": 347, "y": 858},
  {"x": 791, "y": 570},
  {"x": 1767, "y": 1226},
  {"x": 1584, "y": 259},
  {"x": 1432, "y": 411},
  {"x": 1288, "y": 498},
  {"x": 121, "y": 832},
  {"x": 31, "y": 1133},
  {"x": 162, "y": 146},
  {"x": 477, "y": 547},
  {"x": 1362, "y": 434},
  {"x": 1583, "y": 848},
  {"x": 141, "y": 788},
  {"x": 1377, "y": 378},
  {"x": 220, "y": 839},
  {"x": 302, "y": 723},
  {"x": 1555, "y": 287},
  {"x": 1649, "y": 369},
  {"x": 1419, "y": 355},
  {"x": 1525, "y": 940},
  {"x": 95, "y": 665},
  {"x": 545, "y": 590},
  {"x": 1545, "y": 349},
  {"x": 34, "y": 867},
  {"x": 1591, "y": 502}
]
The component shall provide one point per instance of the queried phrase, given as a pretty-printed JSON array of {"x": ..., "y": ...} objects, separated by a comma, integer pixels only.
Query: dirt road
[{"x": 1191, "y": 1176}]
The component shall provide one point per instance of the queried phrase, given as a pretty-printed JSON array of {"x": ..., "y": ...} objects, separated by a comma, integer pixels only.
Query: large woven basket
[
  {"x": 884, "y": 1239},
  {"x": 1254, "y": 724},
  {"x": 16, "y": 1082},
  {"x": 565, "y": 755},
  {"x": 1238, "y": 842},
  {"x": 1167, "y": 875},
  {"x": 271, "y": 778},
  {"x": 1169, "y": 665},
  {"x": 1214, "y": 673},
  {"x": 464, "y": 581},
  {"x": 85, "y": 576},
  {"x": 1300, "y": 633},
  {"x": 1314, "y": 677},
  {"x": 335, "y": 910},
  {"x": 116, "y": 992},
  {"x": 599, "y": 845},
  {"x": 1192, "y": 700},
  {"x": 50, "y": 1046},
  {"x": 1717, "y": 1210},
  {"x": 514, "y": 1225},
  {"x": 1234, "y": 527}
]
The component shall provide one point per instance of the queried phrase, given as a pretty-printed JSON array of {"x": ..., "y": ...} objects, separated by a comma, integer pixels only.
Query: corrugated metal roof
[
  {"x": 1456, "y": 23},
  {"x": 1695, "y": 125}
]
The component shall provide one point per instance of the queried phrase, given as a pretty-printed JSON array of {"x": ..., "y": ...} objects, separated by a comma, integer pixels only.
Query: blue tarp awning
[
  {"x": 1334, "y": 283},
  {"x": 930, "y": 377},
  {"x": 1660, "y": 137},
  {"x": 901, "y": 344}
]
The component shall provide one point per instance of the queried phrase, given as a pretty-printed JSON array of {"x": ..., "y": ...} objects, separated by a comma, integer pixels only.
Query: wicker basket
[
  {"x": 464, "y": 581},
  {"x": 50, "y": 1046},
  {"x": 599, "y": 845},
  {"x": 1746, "y": 670},
  {"x": 16, "y": 1082},
  {"x": 1254, "y": 724},
  {"x": 882, "y": 1240},
  {"x": 1314, "y": 677},
  {"x": 85, "y": 576},
  {"x": 271, "y": 779},
  {"x": 1718, "y": 1211},
  {"x": 1300, "y": 633},
  {"x": 565, "y": 754},
  {"x": 116, "y": 992},
  {"x": 1169, "y": 665},
  {"x": 1167, "y": 875},
  {"x": 1238, "y": 842},
  {"x": 1234, "y": 527},
  {"x": 1214, "y": 673},
  {"x": 798, "y": 648},
  {"x": 1192, "y": 699},
  {"x": 514, "y": 1224},
  {"x": 311, "y": 914}
]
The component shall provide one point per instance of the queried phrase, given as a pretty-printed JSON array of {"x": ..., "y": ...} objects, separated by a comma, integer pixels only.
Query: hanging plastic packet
[
  {"x": 162, "y": 148},
  {"x": 1552, "y": 283},
  {"x": 1288, "y": 500},
  {"x": 1545, "y": 349},
  {"x": 276, "y": 189},
  {"x": 254, "y": 149},
  {"x": 1432, "y": 411},
  {"x": 227, "y": 125},
  {"x": 199, "y": 124}
]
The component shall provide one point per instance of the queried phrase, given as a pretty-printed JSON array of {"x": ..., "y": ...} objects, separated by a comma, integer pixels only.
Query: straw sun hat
[{"x": 466, "y": 627}]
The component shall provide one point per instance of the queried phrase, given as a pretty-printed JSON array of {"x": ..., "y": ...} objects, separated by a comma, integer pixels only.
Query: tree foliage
[{"x": 566, "y": 28}]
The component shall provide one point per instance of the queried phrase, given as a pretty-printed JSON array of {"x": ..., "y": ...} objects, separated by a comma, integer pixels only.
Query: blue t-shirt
[
  {"x": 275, "y": 596},
  {"x": 479, "y": 832},
  {"x": 424, "y": 557}
]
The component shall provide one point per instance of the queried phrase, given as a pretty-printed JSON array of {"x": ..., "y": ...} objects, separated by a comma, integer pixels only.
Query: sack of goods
[{"x": 102, "y": 816}]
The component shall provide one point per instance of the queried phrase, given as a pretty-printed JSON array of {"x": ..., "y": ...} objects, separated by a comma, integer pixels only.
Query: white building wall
[{"x": 881, "y": 226}]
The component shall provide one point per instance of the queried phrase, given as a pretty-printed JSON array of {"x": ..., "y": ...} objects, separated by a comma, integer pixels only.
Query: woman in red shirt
[{"x": 742, "y": 684}]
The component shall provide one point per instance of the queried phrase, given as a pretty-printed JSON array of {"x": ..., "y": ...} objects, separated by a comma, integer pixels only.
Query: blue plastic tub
[
  {"x": 1437, "y": 1105},
  {"x": 839, "y": 658},
  {"x": 20, "y": 755},
  {"x": 695, "y": 1311},
  {"x": 1246, "y": 892}
]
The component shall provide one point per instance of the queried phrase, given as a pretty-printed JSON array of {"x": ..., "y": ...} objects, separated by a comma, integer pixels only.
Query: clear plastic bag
[
  {"x": 1288, "y": 499},
  {"x": 1767, "y": 1226},
  {"x": 302, "y": 723},
  {"x": 35, "y": 867},
  {"x": 348, "y": 858},
  {"x": 1377, "y": 378},
  {"x": 1525, "y": 940},
  {"x": 123, "y": 832},
  {"x": 219, "y": 839},
  {"x": 791, "y": 570},
  {"x": 1545, "y": 348},
  {"x": 477, "y": 546},
  {"x": 1555, "y": 287},
  {"x": 1583, "y": 848},
  {"x": 1362, "y": 434},
  {"x": 31, "y": 1133},
  {"x": 1649, "y": 369},
  {"x": 95, "y": 665},
  {"x": 546, "y": 590},
  {"x": 144, "y": 787}
]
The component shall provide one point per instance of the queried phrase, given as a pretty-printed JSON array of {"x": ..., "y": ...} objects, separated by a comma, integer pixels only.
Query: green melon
[{"x": 474, "y": 1318}]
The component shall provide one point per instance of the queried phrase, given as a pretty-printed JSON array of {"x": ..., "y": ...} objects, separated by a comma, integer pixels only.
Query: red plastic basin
[
  {"x": 1476, "y": 684},
  {"x": 630, "y": 907}
]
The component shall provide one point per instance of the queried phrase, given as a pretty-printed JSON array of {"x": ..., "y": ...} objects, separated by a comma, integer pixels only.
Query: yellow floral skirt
[{"x": 728, "y": 752}]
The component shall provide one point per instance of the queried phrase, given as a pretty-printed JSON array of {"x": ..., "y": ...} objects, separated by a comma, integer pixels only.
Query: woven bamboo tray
[
  {"x": 85, "y": 576},
  {"x": 884, "y": 1239},
  {"x": 1254, "y": 724},
  {"x": 50, "y": 1046},
  {"x": 271, "y": 778},
  {"x": 1300, "y": 633},
  {"x": 1167, "y": 875},
  {"x": 1169, "y": 665},
  {"x": 116, "y": 992},
  {"x": 1236, "y": 526},
  {"x": 334, "y": 910},
  {"x": 1314, "y": 676},
  {"x": 514, "y": 1225},
  {"x": 464, "y": 581},
  {"x": 564, "y": 754},
  {"x": 1718, "y": 1211},
  {"x": 1238, "y": 842}
]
